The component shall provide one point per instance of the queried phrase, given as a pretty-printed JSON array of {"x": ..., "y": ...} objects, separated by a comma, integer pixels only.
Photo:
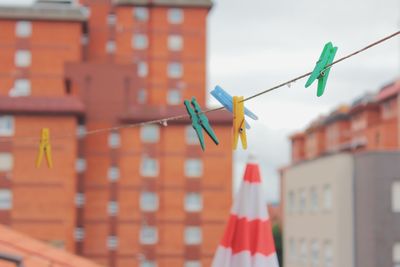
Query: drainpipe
[{"x": 12, "y": 258}]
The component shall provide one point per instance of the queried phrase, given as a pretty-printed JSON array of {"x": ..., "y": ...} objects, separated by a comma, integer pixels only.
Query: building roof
[
  {"x": 316, "y": 124},
  {"x": 365, "y": 102},
  {"x": 297, "y": 135},
  {"x": 34, "y": 253},
  {"x": 180, "y": 3},
  {"x": 339, "y": 114},
  {"x": 389, "y": 91},
  {"x": 148, "y": 113},
  {"x": 42, "y": 11},
  {"x": 364, "y": 99},
  {"x": 41, "y": 105}
]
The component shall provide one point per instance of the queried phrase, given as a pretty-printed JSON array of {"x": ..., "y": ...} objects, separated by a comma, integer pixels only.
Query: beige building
[
  {"x": 318, "y": 196},
  {"x": 342, "y": 210}
]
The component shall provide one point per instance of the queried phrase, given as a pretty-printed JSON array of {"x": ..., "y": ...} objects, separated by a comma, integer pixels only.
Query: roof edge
[
  {"x": 39, "y": 12},
  {"x": 167, "y": 3}
]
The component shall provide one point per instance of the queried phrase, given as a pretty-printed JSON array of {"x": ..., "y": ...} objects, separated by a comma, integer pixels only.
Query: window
[
  {"x": 80, "y": 165},
  {"x": 142, "y": 96},
  {"x": 22, "y": 58},
  {"x": 84, "y": 39},
  {"x": 80, "y": 199},
  {"x": 396, "y": 254},
  {"x": 314, "y": 254},
  {"x": 140, "y": 41},
  {"x": 5, "y": 199},
  {"x": 141, "y": 13},
  {"x": 112, "y": 242},
  {"x": 60, "y": 244},
  {"x": 193, "y": 235},
  {"x": 111, "y": 19},
  {"x": 81, "y": 131},
  {"x": 79, "y": 234},
  {"x": 148, "y": 201},
  {"x": 86, "y": 11},
  {"x": 328, "y": 255},
  {"x": 150, "y": 133},
  {"x": 303, "y": 200},
  {"x": 192, "y": 263},
  {"x": 147, "y": 263},
  {"x": 148, "y": 235},
  {"x": 175, "y": 42},
  {"x": 6, "y": 125},
  {"x": 175, "y": 15},
  {"x": 193, "y": 168},
  {"x": 113, "y": 173},
  {"x": 23, "y": 29},
  {"x": 149, "y": 167},
  {"x": 389, "y": 109},
  {"x": 67, "y": 83},
  {"x": 6, "y": 162},
  {"x": 303, "y": 251},
  {"x": 327, "y": 197},
  {"x": 175, "y": 70},
  {"x": 396, "y": 196},
  {"x": 111, "y": 46},
  {"x": 193, "y": 202},
  {"x": 142, "y": 69},
  {"x": 174, "y": 97},
  {"x": 114, "y": 140},
  {"x": 292, "y": 249},
  {"x": 112, "y": 208},
  {"x": 191, "y": 136},
  {"x": 22, "y": 87},
  {"x": 291, "y": 202},
  {"x": 314, "y": 199}
]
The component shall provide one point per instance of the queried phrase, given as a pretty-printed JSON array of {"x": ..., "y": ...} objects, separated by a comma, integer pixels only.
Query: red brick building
[
  {"x": 371, "y": 123},
  {"x": 36, "y": 42},
  {"x": 144, "y": 196}
]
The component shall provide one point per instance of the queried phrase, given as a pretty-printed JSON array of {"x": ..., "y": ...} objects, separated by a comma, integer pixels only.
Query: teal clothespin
[
  {"x": 319, "y": 72},
  {"x": 199, "y": 121}
]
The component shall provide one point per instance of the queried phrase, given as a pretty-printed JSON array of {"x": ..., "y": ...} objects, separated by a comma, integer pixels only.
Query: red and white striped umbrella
[{"x": 248, "y": 240}]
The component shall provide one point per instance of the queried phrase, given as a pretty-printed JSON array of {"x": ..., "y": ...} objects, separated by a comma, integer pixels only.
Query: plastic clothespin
[
  {"x": 239, "y": 128},
  {"x": 44, "y": 148},
  {"x": 319, "y": 72},
  {"x": 226, "y": 100},
  {"x": 199, "y": 121}
]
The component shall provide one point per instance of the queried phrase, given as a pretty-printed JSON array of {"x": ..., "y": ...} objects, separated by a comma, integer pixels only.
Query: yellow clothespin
[
  {"x": 238, "y": 122},
  {"x": 44, "y": 148}
]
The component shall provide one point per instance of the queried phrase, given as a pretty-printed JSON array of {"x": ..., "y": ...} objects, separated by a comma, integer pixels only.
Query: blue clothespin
[{"x": 226, "y": 100}]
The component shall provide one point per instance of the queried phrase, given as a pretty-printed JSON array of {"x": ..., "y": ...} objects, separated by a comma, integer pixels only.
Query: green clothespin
[
  {"x": 319, "y": 72},
  {"x": 199, "y": 121}
]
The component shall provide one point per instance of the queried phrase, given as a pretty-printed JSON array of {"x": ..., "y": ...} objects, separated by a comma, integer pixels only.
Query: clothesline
[{"x": 164, "y": 121}]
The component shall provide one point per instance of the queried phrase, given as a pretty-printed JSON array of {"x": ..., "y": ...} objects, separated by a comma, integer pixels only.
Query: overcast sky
[{"x": 256, "y": 44}]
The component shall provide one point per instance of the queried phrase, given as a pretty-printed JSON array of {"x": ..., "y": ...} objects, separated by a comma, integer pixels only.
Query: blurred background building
[
  {"x": 145, "y": 196},
  {"x": 340, "y": 196}
]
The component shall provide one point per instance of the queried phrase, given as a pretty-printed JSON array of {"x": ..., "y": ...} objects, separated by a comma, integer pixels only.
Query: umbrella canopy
[{"x": 248, "y": 240}]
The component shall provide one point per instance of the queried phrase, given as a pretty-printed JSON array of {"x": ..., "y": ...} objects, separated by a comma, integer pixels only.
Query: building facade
[
  {"x": 343, "y": 210},
  {"x": 141, "y": 196},
  {"x": 318, "y": 213},
  {"x": 36, "y": 42},
  {"x": 340, "y": 194},
  {"x": 370, "y": 123}
]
